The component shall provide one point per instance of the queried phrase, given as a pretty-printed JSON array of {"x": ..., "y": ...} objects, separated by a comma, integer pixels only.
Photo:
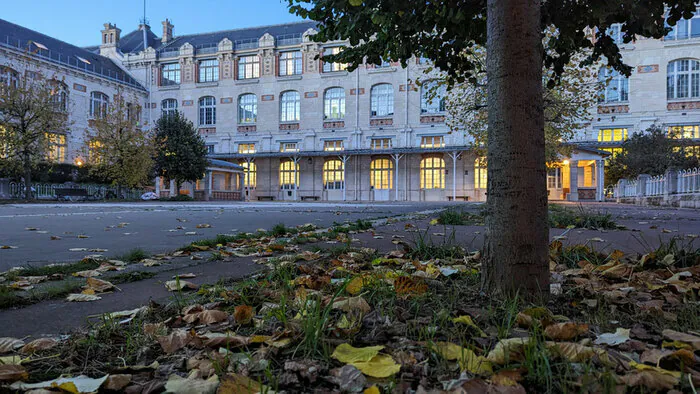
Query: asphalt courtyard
[{"x": 40, "y": 234}]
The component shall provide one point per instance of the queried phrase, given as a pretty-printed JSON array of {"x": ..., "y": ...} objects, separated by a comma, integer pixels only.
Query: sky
[{"x": 79, "y": 21}]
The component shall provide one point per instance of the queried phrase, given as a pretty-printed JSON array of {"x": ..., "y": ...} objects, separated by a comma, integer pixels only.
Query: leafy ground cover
[{"x": 344, "y": 318}]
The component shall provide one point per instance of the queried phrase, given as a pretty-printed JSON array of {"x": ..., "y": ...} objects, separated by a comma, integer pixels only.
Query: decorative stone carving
[
  {"x": 381, "y": 122},
  {"x": 310, "y": 94},
  {"x": 651, "y": 68},
  {"x": 334, "y": 125},
  {"x": 266, "y": 41},
  {"x": 432, "y": 119},
  {"x": 245, "y": 129},
  {"x": 225, "y": 45},
  {"x": 187, "y": 69},
  {"x": 289, "y": 126},
  {"x": 359, "y": 91},
  {"x": 268, "y": 61},
  {"x": 187, "y": 49},
  {"x": 207, "y": 130},
  {"x": 226, "y": 65},
  {"x": 683, "y": 105}
]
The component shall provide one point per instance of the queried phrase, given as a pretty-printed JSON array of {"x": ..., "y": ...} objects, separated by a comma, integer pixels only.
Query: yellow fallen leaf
[
  {"x": 565, "y": 331},
  {"x": 372, "y": 390},
  {"x": 644, "y": 367},
  {"x": 467, "y": 320},
  {"x": 355, "y": 285},
  {"x": 434, "y": 222},
  {"x": 348, "y": 354},
  {"x": 468, "y": 360},
  {"x": 380, "y": 366},
  {"x": 506, "y": 350}
]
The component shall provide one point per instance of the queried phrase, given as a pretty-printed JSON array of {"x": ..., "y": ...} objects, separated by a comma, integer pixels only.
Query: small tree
[
  {"x": 181, "y": 154},
  {"x": 651, "y": 152},
  {"x": 117, "y": 148},
  {"x": 32, "y": 112}
]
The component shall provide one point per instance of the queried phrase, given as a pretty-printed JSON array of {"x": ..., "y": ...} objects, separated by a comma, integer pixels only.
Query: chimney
[
  {"x": 110, "y": 38},
  {"x": 167, "y": 31}
]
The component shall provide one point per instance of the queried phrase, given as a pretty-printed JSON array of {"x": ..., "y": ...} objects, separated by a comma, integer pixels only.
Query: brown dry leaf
[
  {"x": 175, "y": 341},
  {"x": 352, "y": 304},
  {"x": 649, "y": 380},
  {"x": 12, "y": 373},
  {"x": 408, "y": 286},
  {"x": 565, "y": 331},
  {"x": 191, "y": 384},
  {"x": 203, "y": 225},
  {"x": 676, "y": 360},
  {"x": 206, "y": 317},
  {"x": 175, "y": 285},
  {"x": 239, "y": 384},
  {"x": 98, "y": 285},
  {"x": 692, "y": 340},
  {"x": 117, "y": 382},
  {"x": 226, "y": 340},
  {"x": 82, "y": 297},
  {"x": 243, "y": 314},
  {"x": 38, "y": 345},
  {"x": 87, "y": 274},
  {"x": 577, "y": 353}
]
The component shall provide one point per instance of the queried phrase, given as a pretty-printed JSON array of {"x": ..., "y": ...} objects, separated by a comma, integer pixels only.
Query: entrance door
[{"x": 381, "y": 172}]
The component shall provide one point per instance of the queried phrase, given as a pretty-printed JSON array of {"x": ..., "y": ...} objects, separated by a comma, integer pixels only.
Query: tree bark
[{"x": 517, "y": 234}]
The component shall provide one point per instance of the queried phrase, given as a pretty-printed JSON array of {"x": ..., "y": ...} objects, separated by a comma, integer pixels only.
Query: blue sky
[{"x": 79, "y": 21}]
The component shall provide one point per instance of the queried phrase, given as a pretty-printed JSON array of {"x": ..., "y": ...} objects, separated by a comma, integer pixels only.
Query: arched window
[
  {"x": 290, "y": 106},
  {"x": 334, "y": 103},
  {"x": 614, "y": 86},
  {"x": 432, "y": 173},
  {"x": 333, "y": 175},
  {"x": 8, "y": 76},
  {"x": 382, "y": 100},
  {"x": 250, "y": 177},
  {"x": 247, "y": 108},
  {"x": 288, "y": 172},
  {"x": 207, "y": 111},
  {"x": 381, "y": 174},
  {"x": 683, "y": 79},
  {"x": 432, "y": 98},
  {"x": 59, "y": 96},
  {"x": 168, "y": 107},
  {"x": 480, "y": 173},
  {"x": 98, "y": 104}
]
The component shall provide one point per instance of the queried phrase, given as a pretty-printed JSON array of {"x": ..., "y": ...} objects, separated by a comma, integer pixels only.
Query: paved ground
[{"x": 156, "y": 227}]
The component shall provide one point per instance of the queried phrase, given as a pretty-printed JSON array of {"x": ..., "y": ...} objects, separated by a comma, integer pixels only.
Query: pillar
[
  {"x": 207, "y": 185},
  {"x": 158, "y": 186},
  {"x": 642, "y": 180},
  {"x": 241, "y": 185},
  {"x": 573, "y": 181},
  {"x": 600, "y": 180},
  {"x": 173, "y": 192}
]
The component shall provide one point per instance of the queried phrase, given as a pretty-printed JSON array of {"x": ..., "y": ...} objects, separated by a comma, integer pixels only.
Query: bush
[{"x": 181, "y": 197}]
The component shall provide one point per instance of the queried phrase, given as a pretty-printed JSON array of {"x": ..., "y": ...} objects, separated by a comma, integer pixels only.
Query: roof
[
  {"x": 224, "y": 164},
  {"x": 60, "y": 52},
  {"x": 133, "y": 42}
]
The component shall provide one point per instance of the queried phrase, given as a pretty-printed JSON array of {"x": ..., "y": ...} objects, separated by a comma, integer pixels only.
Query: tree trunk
[
  {"x": 26, "y": 162},
  {"x": 517, "y": 234}
]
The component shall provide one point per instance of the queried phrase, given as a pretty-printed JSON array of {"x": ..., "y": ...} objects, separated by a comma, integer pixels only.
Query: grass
[
  {"x": 48, "y": 270},
  {"x": 133, "y": 256},
  {"x": 126, "y": 277},
  {"x": 458, "y": 217},
  {"x": 10, "y": 298},
  {"x": 561, "y": 217},
  {"x": 424, "y": 248}
]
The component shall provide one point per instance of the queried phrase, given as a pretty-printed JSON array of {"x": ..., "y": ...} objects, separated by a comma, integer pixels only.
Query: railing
[
  {"x": 656, "y": 186},
  {"x": 689, "y": 180},
  {"x": 69, "y": 61},
  {"x": 288, "y": 39},
  {"x": 169, "y": 52},
  {"x": 250, "y": 43},
  {"x": 628, "y": 189},
  {"x": 208, "y": 49},
  {"x": 48, "y": 190}
]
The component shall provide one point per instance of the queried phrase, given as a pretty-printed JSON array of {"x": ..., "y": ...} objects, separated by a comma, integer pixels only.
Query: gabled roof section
[
  {"x": 60, "y": 52},
  {"x": 133, "y": 42}
]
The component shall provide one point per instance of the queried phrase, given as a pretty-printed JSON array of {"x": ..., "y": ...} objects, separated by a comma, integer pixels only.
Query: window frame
[
  {"x": 287, "y": 174},
  {"x": 381, "y": 99},
  {"x": 57, "y": 145},
  {"x": 381, "y": 146},
  {"x": 168, "y": 110},
  {"x": 248, "y": 67},
  {"x": 208, "y": 70},
  {"x": 330, "y": 67},
  {"x": 99, "y": 104},
  {"x": 292, "y": 65},
  {"x": 334, "y": 97},
  {"x": 381, "y": 169},
  {"x": 674, "y": 76},
  {"x": 247, "y": 104},
  {"x": 614, "y": 86},
  {"x": 333, "y": 174},
  {"x": 170, "y": 74},
  {"x": 480, "y": 173},
  {"x": 290, "y": 106},
  {"x": 59, "y": 98},
  {"x": 247, "y": 148},
  {"x": 427, "y": 107},
  {"x": 207, "y": 111},
  {"x": 674, "y": 35},
  {"x": 432, "y": 172},
  {"x": 333, "y": 145},
  {"x": 432, "y": 141}
]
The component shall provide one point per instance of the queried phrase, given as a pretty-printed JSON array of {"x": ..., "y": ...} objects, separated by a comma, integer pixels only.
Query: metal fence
[
  {"x": 46, "y": 191},
  {"x": 627, "y": 190},
  {"x": 673, "y": 182},
  {"x": 689, "y": 181},
  {"x": 655, "y": 186}
]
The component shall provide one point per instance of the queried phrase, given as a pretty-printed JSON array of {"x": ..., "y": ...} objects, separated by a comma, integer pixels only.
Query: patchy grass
[
  {"x": 48, "y": 270},
  {"x": 10, "y": 298},
  {"x": 133, "y": 256},
  {"x": 425, "y": 248},
  {"x": 127, "y": 277},
  {"x": 562, "y": 217},
  {"x": 459, "y": 217}
]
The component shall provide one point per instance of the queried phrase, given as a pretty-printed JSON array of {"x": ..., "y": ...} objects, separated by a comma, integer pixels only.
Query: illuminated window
[
  {"x": 290, "y": 106},
  {"x": 56, "y": 147},
  {"x": 382, "y": 100},
  {"x": 331, "y": 67},
  {"x": 333, "y": 175},
  {"x": 613, "y": 151},
  {"x": 247, "y": 108},
  {"x": 432, "y": 173},
  {"x": 612, "y": 135},
  {"x": 250, "y": 174},
  {"x": 554, "y": 178},
  {"x": 334, "y": 103},
  {"x": 207, "y": 111},
  {"x": 333, "y": 145},
  {"x": 381, "y": 173},
  {"x": 98, "y": 104},
  {"x": 684, "y": 132},
  {"x": 683, "y": 79},
  {"x": 380, "y": 143},
  {"x": 248, "y": 67},
  {"x": 94, "y": 156},
  {"x": 614, "y": 86},
  {"x": 289, "y": 147},
  {"x": 432, "y": 141},
  {"x": 170, "y": 74},
  {"x": 246, "y": 148},
  {"x": 432, "y": 98},
  {"x": 480, "y": 173},
  {"x": 208, "y": 70},
  {"x": 290, "y": 63},
  {"x": 168, "y": 107},
  {"x": 288, "y": 172}
]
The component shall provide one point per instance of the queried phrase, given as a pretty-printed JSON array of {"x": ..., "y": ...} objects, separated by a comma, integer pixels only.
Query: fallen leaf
[
  {"x": 467, "y": 320},
  {"x": 12, "y": 373},
  {"x": 176, "y": 285},
  {"x": 621, "y": 335},
  {"x": 38, "y": 345},
  {"x": 82, "y": 297},
  {"x": 239, "y": 384},
  {"x": 243, "y": 314},
  {"x": 692, "y": 340},
  {"x": 10, "y": 344},
  {"x": 117, "y": 382},
  {"x": 98, "y": 285},
  {"x": 649, "y": 380},
  {"x": 408, "y": 286},
  {"x": 175, "y": 341},
  {"x": 87, "y": 274},
  {"x": 372, "y": 390},
  {"x": 78, "y": 385},
  {"x": 468, "y": 360},
  {"x": 507, "y": 350},
  {"x": 352, "y": 304},
  {"x": 348, "y": 354},
  {"x": 206, "y": 317},
  {"x": 354, "y": 286},
  {"x": 565, "y": 331},
  {"x": 179, "y": 385},
  {"x": 380, "y": 366}
]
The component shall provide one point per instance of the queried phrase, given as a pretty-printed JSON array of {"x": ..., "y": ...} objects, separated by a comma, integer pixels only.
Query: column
[
  {"x": 454, "y": 156},
  {"x": 642, "y": 180},
  {"x": 600, "y": 178},
  {"x": 207, "y": 185},
  {"x": 158, "y": 186},
  {"x": 173, "y": 192},
  {"x": 573, "y": 181},
  {"x": 241, "y": 183},
  {"x": 396, "y": 157}
]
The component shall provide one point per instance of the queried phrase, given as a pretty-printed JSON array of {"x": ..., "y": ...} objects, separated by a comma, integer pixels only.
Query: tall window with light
[
  {"x": 290, "y": 106},
  {"x": 247, "y": 108},
  {"x": 381, "y": 174},
  {"x": 289, "y": 175},
  {"x": 382, "y": 100},
  {"x": 333, "y": 175},
  {"x": 334, "y": 103},
  {"x": 480, "y": 173}
]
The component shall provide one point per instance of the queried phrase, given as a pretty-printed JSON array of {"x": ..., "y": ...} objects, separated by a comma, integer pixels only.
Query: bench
[
  {"x": 315, "y": 198},
  {"x": 69, "y": 193},
  {"x": 465, "y": 198},
  {"x": 268, "y": 198}
]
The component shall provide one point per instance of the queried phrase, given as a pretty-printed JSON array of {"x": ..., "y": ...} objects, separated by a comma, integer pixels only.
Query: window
[
  {"x": 94, "y": 148},
  {"x": 612, "y": 135},
  {"x": 684, "y": 132},
  {"x": 334, "y": 103},
  {"x": 170, "y": 74},
  {"x": 8, "y": 76},
  {"x": 614, "y": 87},
  {"x": 333, "y": 175},
  {"x": 57, "y": 147},
  {"x": 382, "y": 100},
  {"x": 331, "y": 67},
  {"x": 333, "y": 145},
  {"x": 168, "y": 107},
  {"x": 380, "y": 143},
  {"x": 250, "y": 175},
  {"x": 289, "y": 175},
  {"x": 613, "y": 151},
  {"x": 432, "y": 98},
  {"x": 210, "y": 149},
  {"x": 554, "y": 178},
  {"x": 59, "y": 97},
  {"x": 248, "y": 67},
  {"x": 381, "y": 173},
  {"x": 615, "y": 32},
  {"x": 289, "y": 147},
  {"x": 432, "y": 141},
  {"x": 207, "y": 111},
  {"x": 480, "y": 173},
  {"x": 133, "y": 112},
  {"x": 246, "y": 148},
  {"x": 684, "y": 29},
  {"x": 290, "y": 106},
  {"x": 432, "y": 173},
  {"x": 209, "y": 70},
  {"x": 98, "y": 104},
  {"x": 683, "y": 79},
  {"x": 247, "y": 108},
  {"x": 290, "y": 63}
]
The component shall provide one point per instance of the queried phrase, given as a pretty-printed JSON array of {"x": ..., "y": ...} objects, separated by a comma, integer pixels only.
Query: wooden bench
[
  {"x": 465, "y": 198},
  {"x": 69, "y": 193},
  {"x": 315, "y": 198},
  {"x": 268, "y": 198}
]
